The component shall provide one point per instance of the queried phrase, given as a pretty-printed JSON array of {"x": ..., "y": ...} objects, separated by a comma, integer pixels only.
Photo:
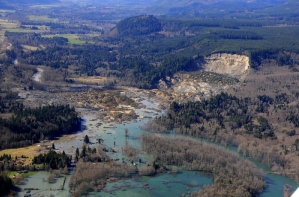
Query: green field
[
  {"x": 45, "y": 6},
  {"x": 43, "y": 18},
  {"x": 72, "y": 38},
  {"x": 7, "y": 11},
  {"x": 14, "y": 26}
]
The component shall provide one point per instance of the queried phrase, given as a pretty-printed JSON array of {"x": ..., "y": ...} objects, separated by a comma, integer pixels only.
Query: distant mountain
[
  {"x": 183, "y": 3},
  {"x": 9, "y": 4},
  {"x": 29, "y": 1},
  {"x": 193, "y": 7}
]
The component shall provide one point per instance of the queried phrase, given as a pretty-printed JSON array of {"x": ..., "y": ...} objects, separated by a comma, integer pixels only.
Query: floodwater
[
  {"x": 160, "y": 185},
  {"x": 39, "y": 186}
]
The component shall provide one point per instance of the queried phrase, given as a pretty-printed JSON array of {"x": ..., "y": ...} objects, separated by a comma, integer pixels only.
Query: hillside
[
  {"x": 138, "y": 25},
  {"x": 218, "y": 7},
  {"x": 6, "y": 4}
]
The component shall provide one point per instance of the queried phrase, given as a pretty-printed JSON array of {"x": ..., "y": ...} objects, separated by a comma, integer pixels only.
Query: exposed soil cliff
[
  {"x": 219, "y": 71},
  {"x": 232, "y": 65}
]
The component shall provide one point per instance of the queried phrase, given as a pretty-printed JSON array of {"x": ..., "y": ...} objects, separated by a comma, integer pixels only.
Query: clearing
[{"x": 72, "y": 38}]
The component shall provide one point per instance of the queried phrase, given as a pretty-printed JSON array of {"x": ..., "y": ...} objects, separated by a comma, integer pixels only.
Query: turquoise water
[
  {"x": 38, "y": 181},
  {"x": 160, "y": 185}
]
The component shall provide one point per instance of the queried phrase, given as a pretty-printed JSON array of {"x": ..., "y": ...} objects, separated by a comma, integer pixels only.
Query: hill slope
[
  {"x": 139, "y": 25},
  {"x": 9, "y": 4}
]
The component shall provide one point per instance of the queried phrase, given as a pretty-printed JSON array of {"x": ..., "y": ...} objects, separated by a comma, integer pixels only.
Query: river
[{"x": 160, "y": 185}]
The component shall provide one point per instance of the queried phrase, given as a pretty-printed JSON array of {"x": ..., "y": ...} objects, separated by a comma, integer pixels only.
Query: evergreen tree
[
  {"x": 86, "y": 139},
  {"x": 77, "y": 152}
]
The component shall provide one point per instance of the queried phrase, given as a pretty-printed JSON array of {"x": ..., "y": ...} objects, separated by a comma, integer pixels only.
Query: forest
[
  {"x": 224, "y": 111},
  {"x": 27, "y": 126}
]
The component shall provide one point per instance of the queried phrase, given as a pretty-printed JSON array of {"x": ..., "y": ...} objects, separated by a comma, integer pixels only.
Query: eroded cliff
[{"x": 217, "y": 73}]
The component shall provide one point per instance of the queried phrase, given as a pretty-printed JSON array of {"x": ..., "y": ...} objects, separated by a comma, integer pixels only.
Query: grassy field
[
  {"x": 8, "y": 24},
  {"x": 29, "y": 152},
  {"x": 31, "y": 48},
  {"x": 72, "y": 38},
  {"x": 45, "y": 6},
  {"x": 2, "y": 32},
  {"x": 14, "y": 26},
  {"x": 7, "y": 11},
  {"x": 43, "y": 18},
  {"x": 75, "y": 41}
]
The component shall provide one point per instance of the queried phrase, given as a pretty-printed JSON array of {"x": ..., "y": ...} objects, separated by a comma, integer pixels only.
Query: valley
[{"x": 132, "y": 99}]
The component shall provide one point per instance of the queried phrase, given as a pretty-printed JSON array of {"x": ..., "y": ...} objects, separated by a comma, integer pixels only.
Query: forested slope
[{"x": 25, "y": 126}]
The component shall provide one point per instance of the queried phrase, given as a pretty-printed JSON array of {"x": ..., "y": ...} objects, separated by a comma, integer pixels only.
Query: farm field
[
  {"x": 14, "y": 26},
  {"x": 27, "y": 152},
  {"x": 43, "y": 18},
  {"x": 72, "y": 38},
  {"x": 28, "y": 47}
]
